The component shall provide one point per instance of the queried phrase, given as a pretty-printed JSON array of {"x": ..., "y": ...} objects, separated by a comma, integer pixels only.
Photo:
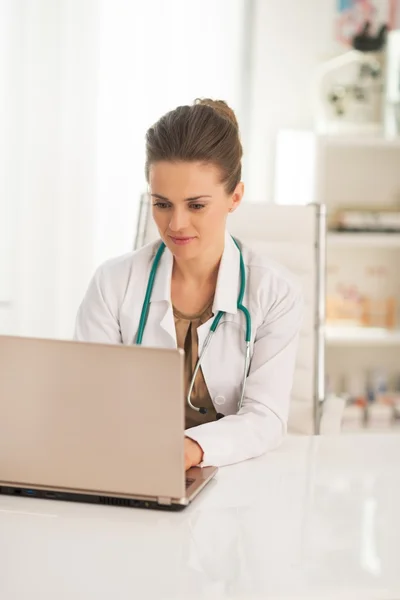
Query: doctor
[{"x": 193, "y": 168}]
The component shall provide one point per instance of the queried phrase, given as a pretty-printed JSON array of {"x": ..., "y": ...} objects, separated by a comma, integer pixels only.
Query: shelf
[
  {"x": 359, "y": 336},
  {"x": 370, "y": 240},
  {"x": 362, "y": 140}
]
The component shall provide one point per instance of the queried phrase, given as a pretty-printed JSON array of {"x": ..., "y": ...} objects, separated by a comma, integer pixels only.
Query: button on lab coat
[{"x": 110, "y": 313}]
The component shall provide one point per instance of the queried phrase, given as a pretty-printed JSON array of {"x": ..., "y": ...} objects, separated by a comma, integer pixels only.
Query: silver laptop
[{"x": 94, "y": 423}]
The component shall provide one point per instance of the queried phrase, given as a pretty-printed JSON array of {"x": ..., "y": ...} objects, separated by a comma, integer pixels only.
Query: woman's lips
[{"x": 181, "y": 241}]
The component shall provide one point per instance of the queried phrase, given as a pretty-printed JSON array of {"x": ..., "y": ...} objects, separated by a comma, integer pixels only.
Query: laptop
[{"x": 94, "y": 423}]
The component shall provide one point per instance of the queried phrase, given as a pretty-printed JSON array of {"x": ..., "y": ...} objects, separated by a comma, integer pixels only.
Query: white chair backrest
[{"x": 293, "y": 236}]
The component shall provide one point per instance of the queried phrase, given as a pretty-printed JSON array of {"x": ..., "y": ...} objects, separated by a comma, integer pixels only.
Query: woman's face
[{"x": 190, "y": 206}]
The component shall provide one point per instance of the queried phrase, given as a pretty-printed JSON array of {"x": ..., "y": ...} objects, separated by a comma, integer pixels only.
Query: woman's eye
[
  {"x": 162, "y": 205},
  {"x": 165, "y": 205}
]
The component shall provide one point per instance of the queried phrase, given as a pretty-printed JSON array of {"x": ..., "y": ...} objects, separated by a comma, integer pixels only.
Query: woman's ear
[{"x": 237, "y": 196}]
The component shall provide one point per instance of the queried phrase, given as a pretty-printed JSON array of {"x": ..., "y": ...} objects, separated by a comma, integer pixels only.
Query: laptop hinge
[{"x": 164, "y": 501}]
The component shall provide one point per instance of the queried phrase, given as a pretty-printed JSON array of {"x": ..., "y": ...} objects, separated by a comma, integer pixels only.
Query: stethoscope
[{"x": 214, "y": 325}]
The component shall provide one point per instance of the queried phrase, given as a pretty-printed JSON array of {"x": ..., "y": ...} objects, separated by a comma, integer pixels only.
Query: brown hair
[{"x": 207, "y": 131}]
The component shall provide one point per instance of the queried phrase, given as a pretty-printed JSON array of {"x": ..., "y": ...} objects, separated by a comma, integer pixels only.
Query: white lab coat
[{"x": 111, "y": 310}]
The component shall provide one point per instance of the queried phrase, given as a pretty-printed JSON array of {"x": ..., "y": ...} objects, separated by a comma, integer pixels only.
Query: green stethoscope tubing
[{"x": 145, "y": 312}]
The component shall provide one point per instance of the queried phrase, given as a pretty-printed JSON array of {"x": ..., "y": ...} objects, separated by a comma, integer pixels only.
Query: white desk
[{"x": 318, "y": 518}]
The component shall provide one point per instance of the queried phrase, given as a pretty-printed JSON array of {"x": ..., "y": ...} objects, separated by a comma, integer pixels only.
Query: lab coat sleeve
[
  {"x": 97, "y": 318},
  {"x": 261, "y": 423}
]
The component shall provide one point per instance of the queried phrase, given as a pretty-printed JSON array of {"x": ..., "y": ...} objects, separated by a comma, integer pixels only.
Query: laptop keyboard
[{"x": 189, "y": 481}]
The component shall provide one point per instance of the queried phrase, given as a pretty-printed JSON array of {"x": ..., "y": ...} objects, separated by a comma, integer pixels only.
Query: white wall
[
  {"x": 50, "y": 149},
  {"x": 8, "y": 175},
  {"x": 289, "y": 41}
]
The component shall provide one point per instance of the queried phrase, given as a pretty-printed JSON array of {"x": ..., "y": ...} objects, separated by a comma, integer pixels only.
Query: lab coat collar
[
  {"x": 162, "y": 284},
  {"x": 161, "y": 295},
  {"x": 228, "y": 281}
]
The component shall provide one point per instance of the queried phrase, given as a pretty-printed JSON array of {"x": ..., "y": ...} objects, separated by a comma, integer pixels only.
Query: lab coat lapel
[
  {"x": 162, "y": 331},
  {"x": 227, "y": 290}
]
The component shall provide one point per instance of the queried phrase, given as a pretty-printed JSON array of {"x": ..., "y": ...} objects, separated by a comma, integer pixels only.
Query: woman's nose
[{"x": 179, "y": 220}]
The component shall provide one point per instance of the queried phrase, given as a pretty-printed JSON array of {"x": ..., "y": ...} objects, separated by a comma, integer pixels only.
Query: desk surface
[{"x": 318, "y": 518}]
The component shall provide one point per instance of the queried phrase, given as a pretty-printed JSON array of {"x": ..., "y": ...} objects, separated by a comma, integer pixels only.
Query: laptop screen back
[{"x": 91, "y": 417}]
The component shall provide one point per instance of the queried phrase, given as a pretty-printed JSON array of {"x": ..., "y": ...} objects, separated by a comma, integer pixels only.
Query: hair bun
[
  {"x": 221, "y": 107},
  {"x": 206, "y": 132}
]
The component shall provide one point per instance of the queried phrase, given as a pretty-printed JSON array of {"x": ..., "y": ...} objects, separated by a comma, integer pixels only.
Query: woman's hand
[{"x": 193, "y": 453}]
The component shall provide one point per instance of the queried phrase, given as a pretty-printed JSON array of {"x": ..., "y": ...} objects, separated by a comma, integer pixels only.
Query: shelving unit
[{"x": 350, "y": 171}]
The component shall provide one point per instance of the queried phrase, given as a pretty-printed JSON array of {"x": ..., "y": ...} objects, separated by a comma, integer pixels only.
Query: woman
[{"x": 193, "y": 169}]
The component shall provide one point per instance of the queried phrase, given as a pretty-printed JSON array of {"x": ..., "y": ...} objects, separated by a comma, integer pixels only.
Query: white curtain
[{"x": 81, "y": 81}]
